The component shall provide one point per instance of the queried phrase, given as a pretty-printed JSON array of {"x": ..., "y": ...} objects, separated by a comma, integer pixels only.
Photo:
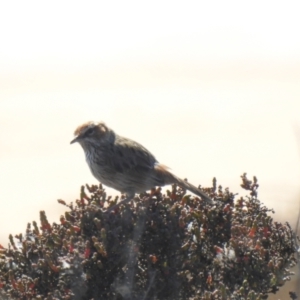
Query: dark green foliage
[{"x": 172, "y": 246}]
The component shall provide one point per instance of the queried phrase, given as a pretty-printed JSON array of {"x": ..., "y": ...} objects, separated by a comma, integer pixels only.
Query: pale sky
[{"x": 212, "y": 88}]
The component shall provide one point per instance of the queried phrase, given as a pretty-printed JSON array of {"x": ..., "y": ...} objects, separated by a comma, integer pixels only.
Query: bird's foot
[{"x": 124, "y": 201}]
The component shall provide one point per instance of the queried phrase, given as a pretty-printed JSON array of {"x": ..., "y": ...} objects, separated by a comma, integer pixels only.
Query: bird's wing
[{"x": 130, "y": 155}]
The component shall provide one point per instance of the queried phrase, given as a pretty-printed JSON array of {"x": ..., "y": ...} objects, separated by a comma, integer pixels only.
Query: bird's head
[{"x": 91, "y": 133}]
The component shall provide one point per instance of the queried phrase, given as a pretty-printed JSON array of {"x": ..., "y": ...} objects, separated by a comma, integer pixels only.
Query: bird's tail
[
  {"x": 193, "y": 189},
  {"x": 169, "y": 177}
]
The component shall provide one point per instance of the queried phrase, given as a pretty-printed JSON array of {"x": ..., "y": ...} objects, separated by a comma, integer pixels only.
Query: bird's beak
[{"x": 75, "y": 140}]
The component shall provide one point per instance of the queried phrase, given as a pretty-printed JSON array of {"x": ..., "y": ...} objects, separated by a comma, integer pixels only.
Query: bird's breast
[{"x": 99, "y": 167}]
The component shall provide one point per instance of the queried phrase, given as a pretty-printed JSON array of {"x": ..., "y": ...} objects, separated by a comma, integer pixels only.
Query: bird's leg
[{"x": 129, "y": 197}]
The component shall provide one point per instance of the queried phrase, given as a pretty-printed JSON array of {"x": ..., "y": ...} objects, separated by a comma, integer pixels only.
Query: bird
[{"x": 123, "y": 164}]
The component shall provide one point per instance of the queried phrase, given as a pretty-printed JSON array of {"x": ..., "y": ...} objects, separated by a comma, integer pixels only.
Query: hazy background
[{"x": 210, "y": 87}]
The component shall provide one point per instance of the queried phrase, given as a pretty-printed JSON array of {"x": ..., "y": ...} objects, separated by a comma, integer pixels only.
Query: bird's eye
[{"x": 89, "y": 131}]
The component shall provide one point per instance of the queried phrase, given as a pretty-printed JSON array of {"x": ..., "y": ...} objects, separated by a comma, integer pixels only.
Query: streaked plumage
[{"x": 124, "y": 164}]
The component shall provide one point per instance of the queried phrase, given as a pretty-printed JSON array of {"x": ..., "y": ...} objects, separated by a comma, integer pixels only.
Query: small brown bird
[{"x": 124, "y": 164}]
